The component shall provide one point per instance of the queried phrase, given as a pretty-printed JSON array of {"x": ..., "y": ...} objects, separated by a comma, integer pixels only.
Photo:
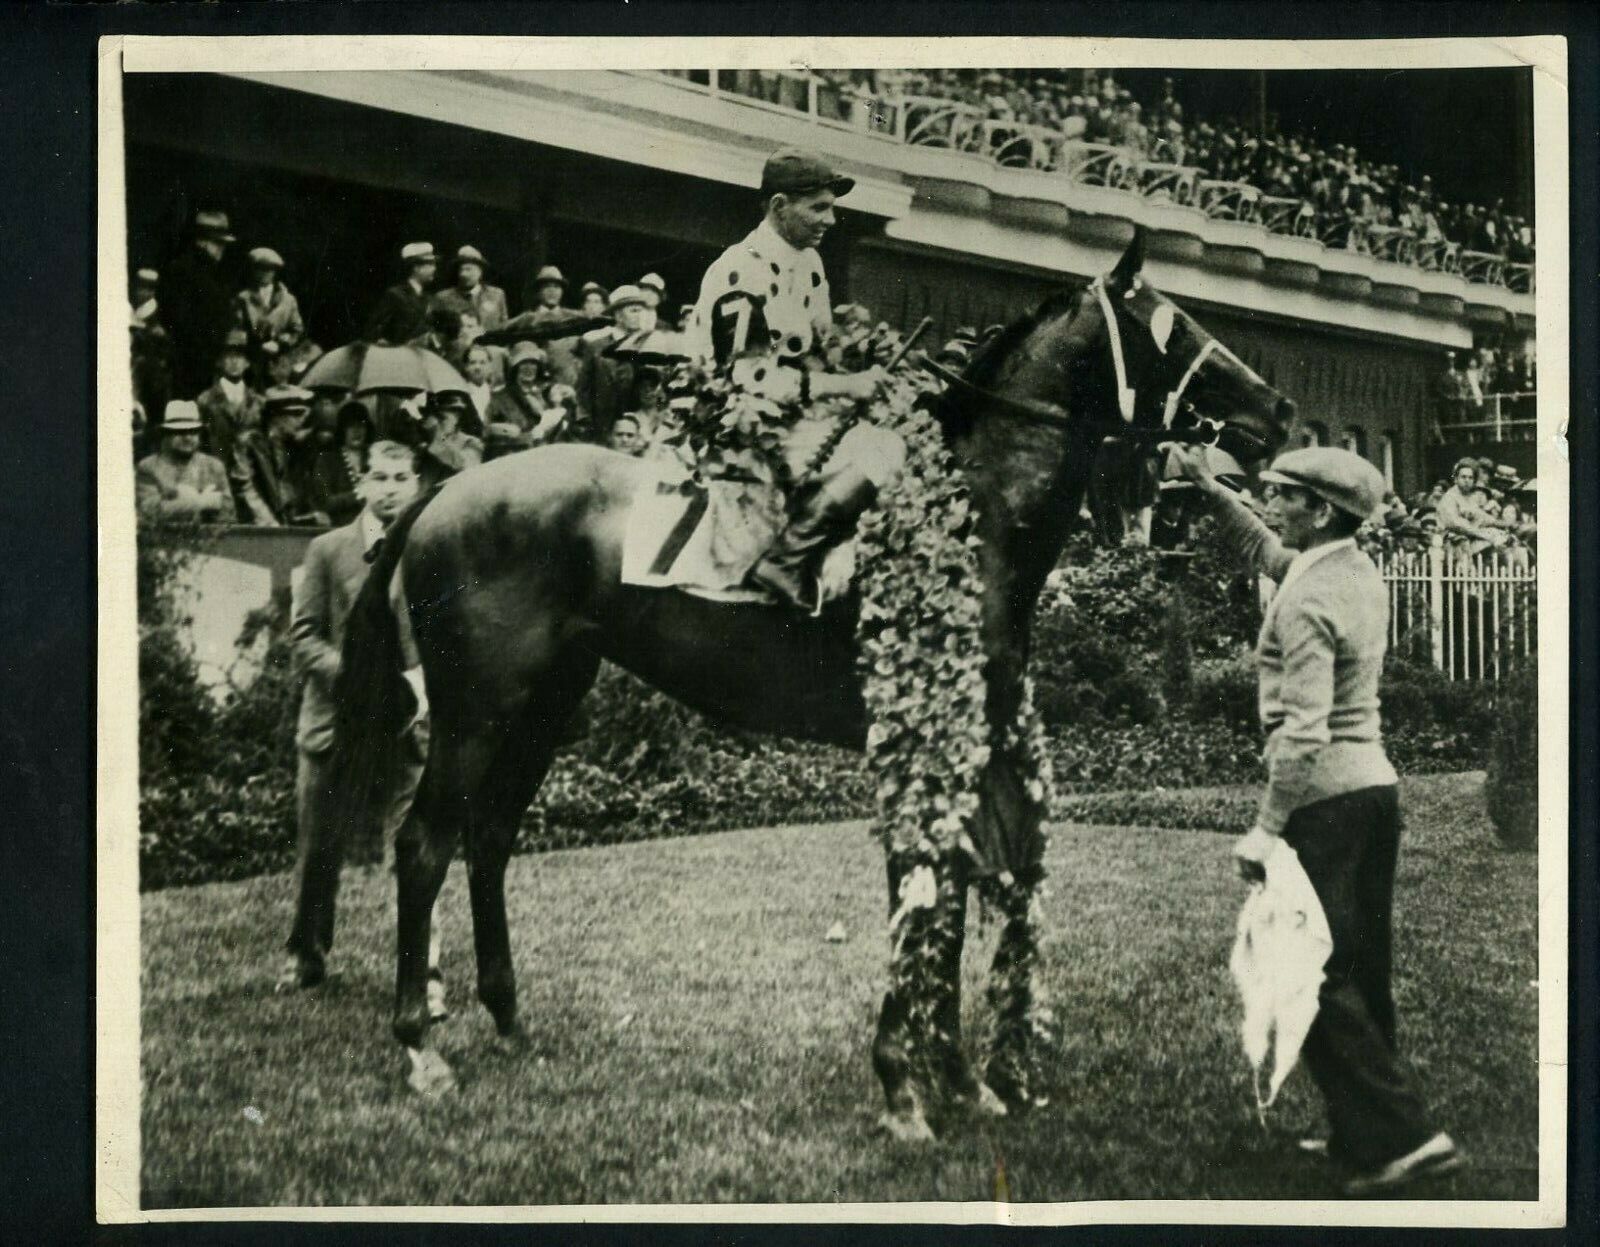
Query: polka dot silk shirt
[{"x": 761, "y": 291}]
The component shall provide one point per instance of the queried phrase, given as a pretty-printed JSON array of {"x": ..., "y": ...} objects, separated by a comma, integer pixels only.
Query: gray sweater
[{"x": 1319, "y": 656}]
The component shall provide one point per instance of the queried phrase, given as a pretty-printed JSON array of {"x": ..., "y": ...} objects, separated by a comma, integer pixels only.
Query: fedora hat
[
  {"x": 213, "y": 225},
  {"x": 594, "y": 287},
  {"x": 468, "y": 255},
  {"x": 550, "y": 275},
  {"x": 287, "y": 398},
  {"x": 236, "y": 340},
  {"x": 625, "y": 296},
  {"x": 181, "y": 416},
  {"x": 265, "y": 257},
  {"x": 418, "y": 253}
]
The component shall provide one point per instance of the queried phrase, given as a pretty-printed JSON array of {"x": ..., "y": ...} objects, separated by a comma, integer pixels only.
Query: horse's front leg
[
  {"x": 1011, "y": 1072},
  {"x": 918, "y": 1044}
]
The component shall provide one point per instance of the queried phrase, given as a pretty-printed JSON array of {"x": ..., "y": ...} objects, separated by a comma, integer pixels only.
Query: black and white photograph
[{"x": 944, "y": 625}]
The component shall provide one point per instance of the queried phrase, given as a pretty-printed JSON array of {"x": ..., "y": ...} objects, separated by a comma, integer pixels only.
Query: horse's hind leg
[
  {"x": 1011, "y": 1070},
  {"x": 520, "y": 767},
  {"x": 424, "y": 845}
]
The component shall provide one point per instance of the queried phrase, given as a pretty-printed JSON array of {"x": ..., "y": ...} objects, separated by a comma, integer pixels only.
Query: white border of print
[{"x": 117, "y": 916}]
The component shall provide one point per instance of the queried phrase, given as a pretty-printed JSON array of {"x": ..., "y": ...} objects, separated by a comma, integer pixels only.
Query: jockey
[{"x": 765, "y": 303}]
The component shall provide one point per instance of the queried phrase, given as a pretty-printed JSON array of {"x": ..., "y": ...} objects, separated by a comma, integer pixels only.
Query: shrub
[
  {"x": 1181, "y": 810},
  {"x": 1511, "y": 786}
]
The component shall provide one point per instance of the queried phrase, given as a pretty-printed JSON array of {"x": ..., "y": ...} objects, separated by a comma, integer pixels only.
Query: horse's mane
[{"x": 955, "y": 412}]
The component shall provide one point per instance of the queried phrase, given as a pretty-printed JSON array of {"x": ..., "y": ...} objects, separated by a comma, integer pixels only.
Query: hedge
[{"x": 1141, "y": 667}]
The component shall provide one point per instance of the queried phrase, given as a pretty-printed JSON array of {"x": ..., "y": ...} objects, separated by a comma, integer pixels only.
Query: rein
[{"x": 1204, "y": 431}]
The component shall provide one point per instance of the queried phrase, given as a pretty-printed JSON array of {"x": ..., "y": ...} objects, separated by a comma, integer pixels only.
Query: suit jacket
[
  {"x": 198, "y": 307},
  {"x": 226, "y": 422},
  {"x": 400, "y": 316},
  {"x": 277, "y": 320},
  {"x": 605, "y": 383},
  {"x": 327, "y": 486},
  {"x": 268, "y": 491},
  {"x": 487, "y": 303},
  {"x": 334, "y": 570}
]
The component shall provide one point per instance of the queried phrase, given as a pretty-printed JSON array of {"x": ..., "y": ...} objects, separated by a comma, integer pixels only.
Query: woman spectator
[{"x": 521, "y": 414}]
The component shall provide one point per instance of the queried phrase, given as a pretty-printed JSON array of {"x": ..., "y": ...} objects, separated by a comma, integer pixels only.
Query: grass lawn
[{"x": 695, "y": 1038}]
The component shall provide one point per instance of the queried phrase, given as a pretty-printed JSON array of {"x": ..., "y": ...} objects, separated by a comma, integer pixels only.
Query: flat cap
[
  {"x": 417, "y": 252},
  {"x": 794, "y": 171},
  {"x": 181, "y": 416},
  {"x": 1339, "y": 477},
  {"x": 288, "y": 398},
  {"x": 265, "y": 257}
]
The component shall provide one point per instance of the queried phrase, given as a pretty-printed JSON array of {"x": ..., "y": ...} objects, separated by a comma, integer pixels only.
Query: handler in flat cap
[
  {"x": 1331, "y": 792},
  {"x": 471, "y": 295},
  {"x": 402, "y": 311},
  {"x": 767, "y": 295}
]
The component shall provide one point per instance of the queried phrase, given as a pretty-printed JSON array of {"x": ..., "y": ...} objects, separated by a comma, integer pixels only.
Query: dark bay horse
[{"x": 512, "y": 575}]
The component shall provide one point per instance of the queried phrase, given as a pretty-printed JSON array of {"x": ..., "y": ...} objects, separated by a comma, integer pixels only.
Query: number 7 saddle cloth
[{"x": 704, "y": 537}]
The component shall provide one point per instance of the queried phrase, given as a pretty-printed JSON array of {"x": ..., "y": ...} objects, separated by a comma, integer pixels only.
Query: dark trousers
[
  {"x": 320, "y": 848},
  {"x": 1348, "y": 845}
]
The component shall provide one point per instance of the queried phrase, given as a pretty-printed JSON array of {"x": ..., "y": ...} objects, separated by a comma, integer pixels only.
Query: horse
[{"x": 512, "y": 589}]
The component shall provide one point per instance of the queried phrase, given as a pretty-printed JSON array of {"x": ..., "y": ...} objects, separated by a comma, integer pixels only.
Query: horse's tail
[{"x": 372, "y": 700}]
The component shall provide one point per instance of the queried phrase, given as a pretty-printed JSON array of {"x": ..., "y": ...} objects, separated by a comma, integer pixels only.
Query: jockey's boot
[{"x": 828, "y": 515}]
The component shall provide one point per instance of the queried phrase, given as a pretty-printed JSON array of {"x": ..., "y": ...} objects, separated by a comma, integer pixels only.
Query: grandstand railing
[
  {"x": 1498, "y": 418},
  {"x": 1471, "y": 615},
  {"x": 934, "y": 121}
]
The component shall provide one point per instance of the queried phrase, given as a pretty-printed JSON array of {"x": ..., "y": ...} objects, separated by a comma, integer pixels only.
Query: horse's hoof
[
  {"x": 299, "y": 973},
  {"x": 513, "y": 1042},
  {"x": 908, "y": 1126},
  {"x": 430, "y": 1073},
  {"x": 438, "y": 1009}
]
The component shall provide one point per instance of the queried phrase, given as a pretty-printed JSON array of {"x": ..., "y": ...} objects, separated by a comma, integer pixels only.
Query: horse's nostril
[{"x": 1285, "y": 413}]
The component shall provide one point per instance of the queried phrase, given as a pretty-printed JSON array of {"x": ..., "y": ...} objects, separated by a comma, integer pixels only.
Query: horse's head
[{"x": 1171, "y": 373}]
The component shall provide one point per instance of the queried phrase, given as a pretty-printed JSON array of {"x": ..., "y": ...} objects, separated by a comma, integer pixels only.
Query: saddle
[{"x": 703, "y": 537}]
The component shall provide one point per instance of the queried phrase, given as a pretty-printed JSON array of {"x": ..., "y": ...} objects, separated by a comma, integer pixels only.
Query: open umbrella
[
  {"x": 532, "y": 327},
  {"x": 366, "y": 368},
  {"x": 658, "y": 348}
]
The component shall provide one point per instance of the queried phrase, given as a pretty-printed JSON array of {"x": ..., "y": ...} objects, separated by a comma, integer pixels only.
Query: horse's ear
[{"x": 1121, "y": 277}]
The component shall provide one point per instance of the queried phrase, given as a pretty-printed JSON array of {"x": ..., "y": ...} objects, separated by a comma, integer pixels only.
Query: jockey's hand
[{"x": 860, "y": 387}]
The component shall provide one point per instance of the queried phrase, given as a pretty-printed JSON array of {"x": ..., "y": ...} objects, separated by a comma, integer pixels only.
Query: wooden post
[{"x": 1436, "y": 600}]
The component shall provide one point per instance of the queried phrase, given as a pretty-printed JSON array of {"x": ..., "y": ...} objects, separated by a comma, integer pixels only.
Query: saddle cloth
[{"x": 704, "y": 539}]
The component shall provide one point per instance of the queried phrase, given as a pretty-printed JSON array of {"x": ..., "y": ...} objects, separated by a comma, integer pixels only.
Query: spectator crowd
[
  {"x": 231, "y": 424},
  {"x": 1291, "y": 183},
  {"x": 1488, "y": 387}
]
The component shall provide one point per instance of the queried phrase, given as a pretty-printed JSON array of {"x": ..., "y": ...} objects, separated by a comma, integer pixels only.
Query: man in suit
[
  {"x": 198, "y": 303},
  {"x": 550, "y": 288},
  {"x": 471, "y": 295},
  {"x": 605, "y": 382},
  {"x": 181, "y": 482},
  {"x": 1331, "y": 793},
  {"x": 266, "y": 482},
  {"x": 402, "y": 311},
  {"x": 335, "y": 569},
  {"x": 230, "y": 408}
]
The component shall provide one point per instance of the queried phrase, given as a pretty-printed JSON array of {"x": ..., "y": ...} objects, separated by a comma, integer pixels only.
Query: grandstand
[{"x": 976, "y": 193}]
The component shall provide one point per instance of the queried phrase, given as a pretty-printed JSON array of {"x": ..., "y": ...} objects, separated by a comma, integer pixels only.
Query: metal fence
[{"x": 1471, "y": 615}]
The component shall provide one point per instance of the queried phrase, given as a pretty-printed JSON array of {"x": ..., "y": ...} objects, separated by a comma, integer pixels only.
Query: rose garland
[
  {"x": 929, "y": 741},
  {"x": 922, "y": 663}
]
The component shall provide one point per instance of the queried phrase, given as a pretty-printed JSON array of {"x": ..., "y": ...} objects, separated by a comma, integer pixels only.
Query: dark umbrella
[
  {"x": 366, "y": 368},
  {"x": 533, "y": 327}
]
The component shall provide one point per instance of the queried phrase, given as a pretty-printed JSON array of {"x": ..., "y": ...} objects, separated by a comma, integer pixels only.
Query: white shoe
[
  {"x": 1436, "y": 1157},
  {"x": 438, "y": 1007}
]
